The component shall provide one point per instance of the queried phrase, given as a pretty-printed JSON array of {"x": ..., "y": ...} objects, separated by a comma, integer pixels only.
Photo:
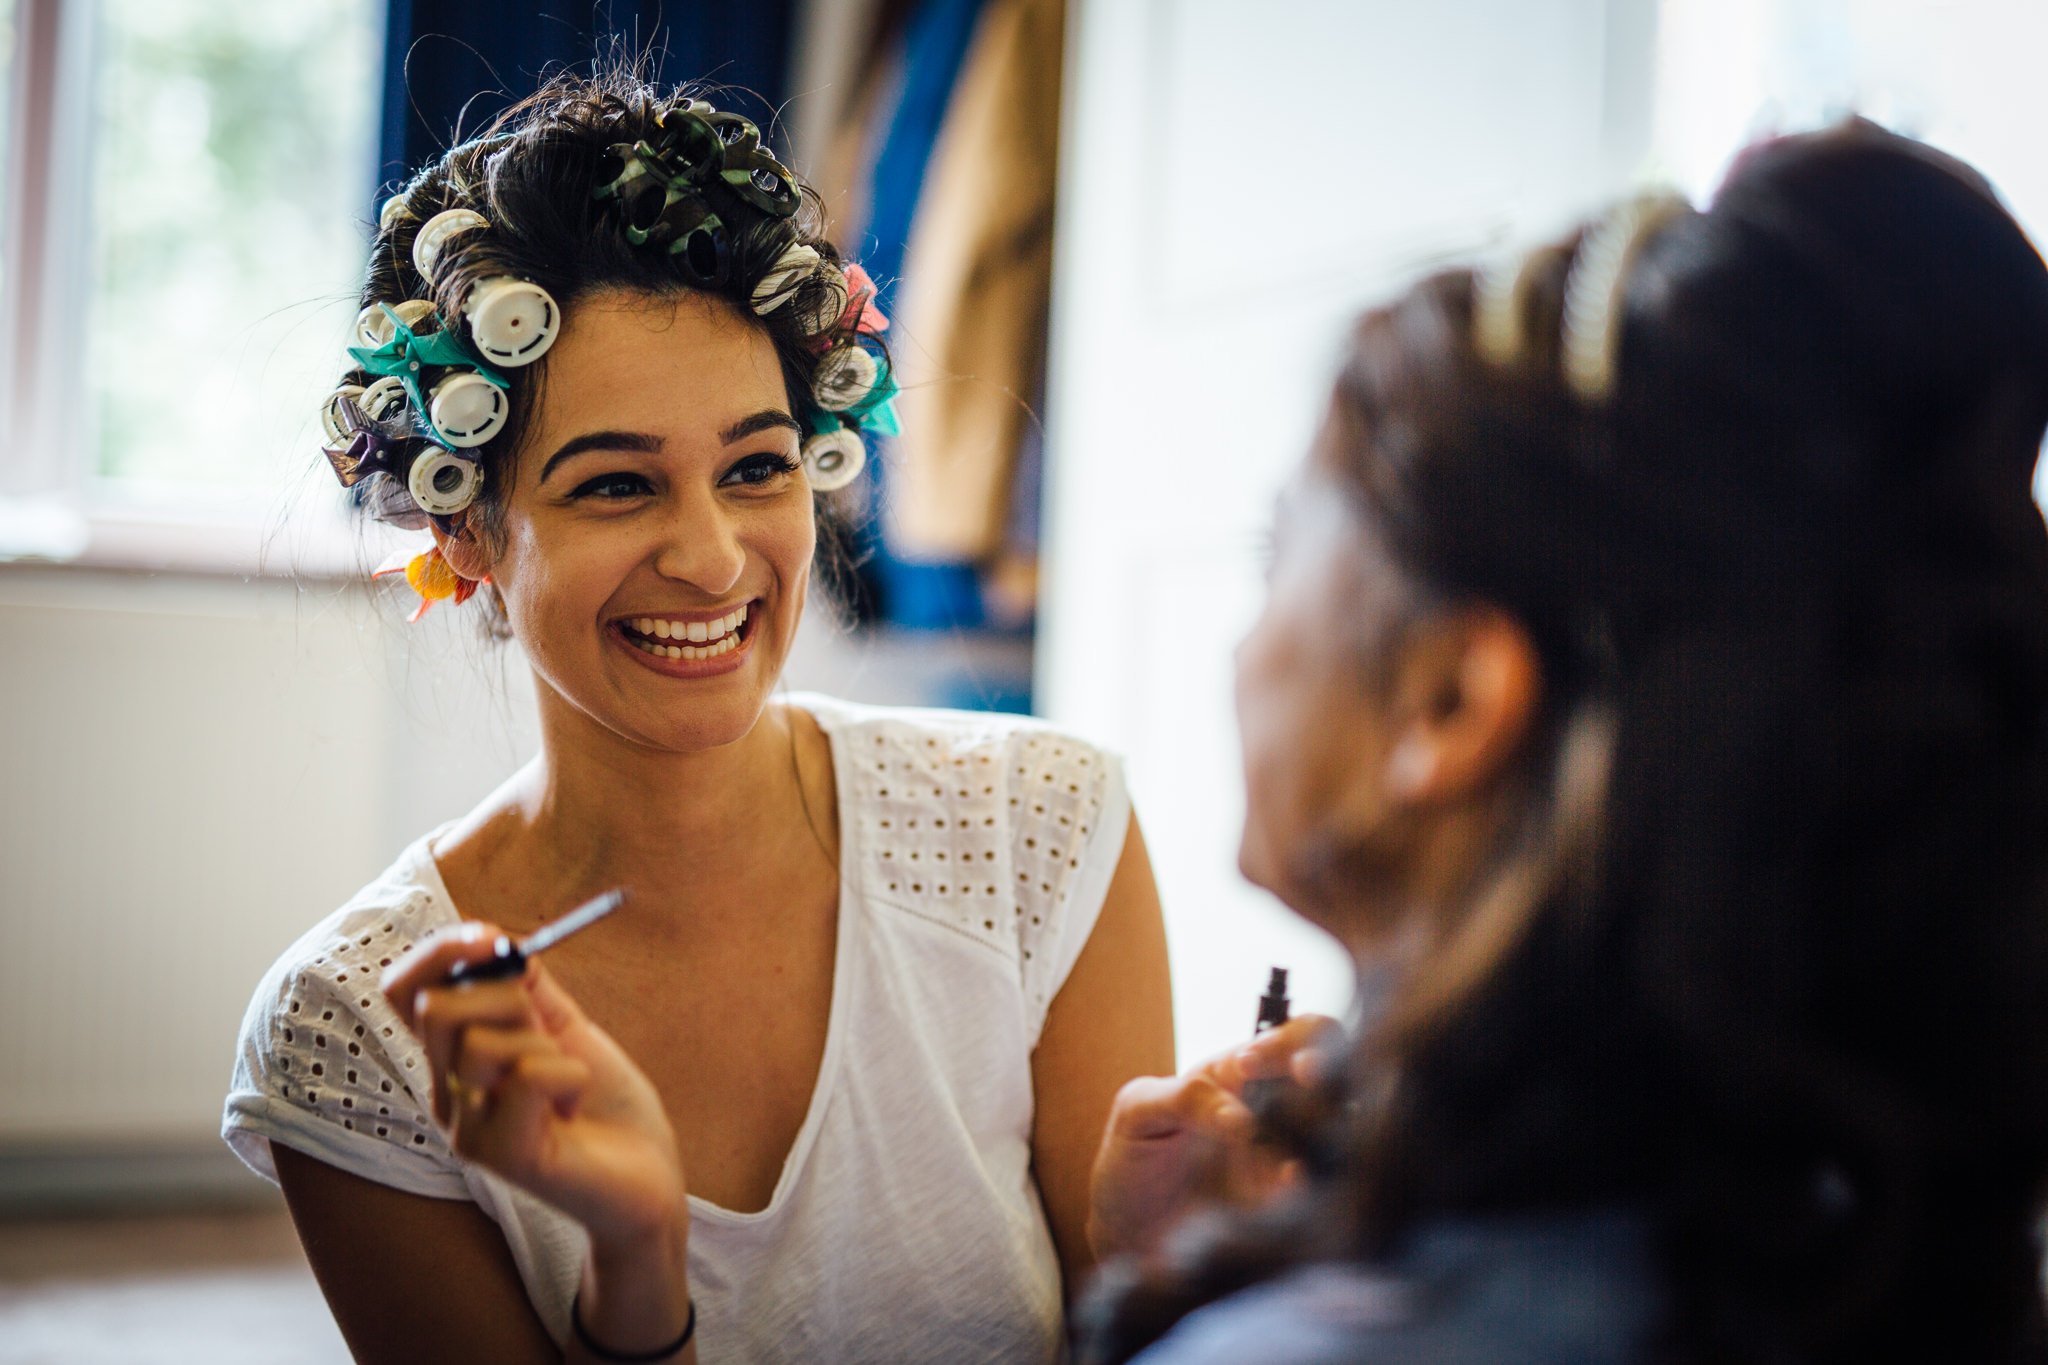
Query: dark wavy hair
[
  {"x": 531, "y": 174},
  {"x": 1765, "y": 956}
]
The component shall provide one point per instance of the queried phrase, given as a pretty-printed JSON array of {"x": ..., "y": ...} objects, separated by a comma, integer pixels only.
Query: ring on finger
[{"x": 467, "y": 1098}]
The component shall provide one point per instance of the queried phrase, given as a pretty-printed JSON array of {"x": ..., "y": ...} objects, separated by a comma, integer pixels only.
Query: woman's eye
[
  {"x": 759, "y": 469},
  {"x": 613, "y": 487}
]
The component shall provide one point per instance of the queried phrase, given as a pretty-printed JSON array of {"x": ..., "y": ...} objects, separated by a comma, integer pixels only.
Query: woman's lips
[
  {"x": 680, "y": 648},
  {"x": 687, "y": 630}
]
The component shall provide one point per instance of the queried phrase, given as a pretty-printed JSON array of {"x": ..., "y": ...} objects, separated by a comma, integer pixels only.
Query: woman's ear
[
  {"x": 1467, "y": 691},
  {"x": 463, "y": 550}
]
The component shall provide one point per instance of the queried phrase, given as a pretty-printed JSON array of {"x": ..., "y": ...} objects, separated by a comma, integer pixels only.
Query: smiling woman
[
  {"x": 830, "y": 1086},
  {"x": 671, "y": 459}
]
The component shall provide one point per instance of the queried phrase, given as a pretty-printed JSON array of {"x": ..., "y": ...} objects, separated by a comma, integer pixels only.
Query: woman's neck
[
  {"x": 596, "y": 787},
  {"x": 596, "y": 808}
]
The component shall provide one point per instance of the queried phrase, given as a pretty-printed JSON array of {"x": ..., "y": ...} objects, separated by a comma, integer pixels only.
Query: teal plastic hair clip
[{"x": 408, "y": 355}]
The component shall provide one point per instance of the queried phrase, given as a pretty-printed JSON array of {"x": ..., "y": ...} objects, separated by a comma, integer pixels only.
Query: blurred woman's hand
[
  {"x": 528, "y": 1087},
  {"x": 1178, "y": 1143}
]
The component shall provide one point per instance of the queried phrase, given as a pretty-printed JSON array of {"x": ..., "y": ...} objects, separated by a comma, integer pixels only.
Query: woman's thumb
[{"x": 556, "y": 1009}]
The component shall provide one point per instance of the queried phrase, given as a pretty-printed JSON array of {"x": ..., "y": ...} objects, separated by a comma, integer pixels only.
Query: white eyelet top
[{"x": 975, "y": 852}]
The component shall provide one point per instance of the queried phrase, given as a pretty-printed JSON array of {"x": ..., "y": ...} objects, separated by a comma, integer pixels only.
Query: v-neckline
[
  {"x": 842, "y": 989},
  {"x": 701, "y": 1209}
]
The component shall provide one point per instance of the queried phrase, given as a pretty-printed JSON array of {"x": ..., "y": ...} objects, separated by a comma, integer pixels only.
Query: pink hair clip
[{"x": 861, "y": 313}]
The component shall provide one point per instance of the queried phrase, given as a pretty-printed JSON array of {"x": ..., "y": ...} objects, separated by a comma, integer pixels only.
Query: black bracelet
[{"x": 625, "y": 1357}]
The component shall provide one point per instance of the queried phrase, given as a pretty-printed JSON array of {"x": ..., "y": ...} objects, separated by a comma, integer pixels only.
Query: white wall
[
  {"x": 194, "y": 771},
  {"x": 1237, "y": 181}
]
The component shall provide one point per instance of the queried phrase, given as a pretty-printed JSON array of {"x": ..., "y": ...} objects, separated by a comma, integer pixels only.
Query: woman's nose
[{"x": 701, "y": 547}]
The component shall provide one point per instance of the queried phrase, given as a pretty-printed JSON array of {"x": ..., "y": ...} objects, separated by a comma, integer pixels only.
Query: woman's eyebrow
[
  {"x": 645, "y": 444},
  {"x": 601, "y": 440},
  {"x": 763, "y": 420}
]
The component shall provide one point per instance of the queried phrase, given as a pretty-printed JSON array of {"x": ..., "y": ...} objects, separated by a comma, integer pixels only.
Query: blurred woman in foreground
[{"x": 1651, "y": 697}]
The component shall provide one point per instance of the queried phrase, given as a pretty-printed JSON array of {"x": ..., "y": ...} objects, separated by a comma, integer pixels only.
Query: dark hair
[
  {"x": 531, "y": 174},
  {"x": 1766, "y": 957}
]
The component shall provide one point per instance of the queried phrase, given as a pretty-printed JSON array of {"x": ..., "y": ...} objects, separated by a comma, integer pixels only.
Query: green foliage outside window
[{"x": 232, "y": 164}]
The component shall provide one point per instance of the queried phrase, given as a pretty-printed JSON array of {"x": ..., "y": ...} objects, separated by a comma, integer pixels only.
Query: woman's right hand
[
  {"x": 529, "y": 1088},
  {"x": 1178, "y": 1143}
]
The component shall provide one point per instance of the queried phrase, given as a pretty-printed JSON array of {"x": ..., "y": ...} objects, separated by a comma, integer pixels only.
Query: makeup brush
[{"x": 509, "y": 958}]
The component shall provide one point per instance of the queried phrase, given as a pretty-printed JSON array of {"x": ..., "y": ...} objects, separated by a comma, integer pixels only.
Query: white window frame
[{"x": 52, "y": 510}]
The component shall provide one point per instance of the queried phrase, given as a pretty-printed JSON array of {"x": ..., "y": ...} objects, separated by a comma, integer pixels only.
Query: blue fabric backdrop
[
  {"x": 452, "y": 64},
  {"x": 933, "y": 46}
]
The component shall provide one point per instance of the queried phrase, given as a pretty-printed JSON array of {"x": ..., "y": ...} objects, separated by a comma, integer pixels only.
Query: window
[{"x": 200, "y": 178}]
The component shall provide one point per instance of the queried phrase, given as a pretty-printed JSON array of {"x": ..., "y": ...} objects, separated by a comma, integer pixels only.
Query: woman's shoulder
[
  {"x": 952, "y": 732},
  {"x": 1536, "y": 1289},
  {"x": 963, "y": 758},
  {"x": 323, "y": 1063},
  {"x": 1002, "y": 829},
  {"x": 978, "y": 786}
]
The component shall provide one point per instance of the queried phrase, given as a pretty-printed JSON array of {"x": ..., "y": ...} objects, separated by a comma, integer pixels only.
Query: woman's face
[
  {"x": 658, "y": 532},
  {"x": 1311, "y": 708}
]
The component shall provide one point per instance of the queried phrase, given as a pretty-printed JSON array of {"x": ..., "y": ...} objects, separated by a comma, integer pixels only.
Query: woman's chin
[
  {"x": 1256, "y": 865},
  {"x": 713, "y": 723}
]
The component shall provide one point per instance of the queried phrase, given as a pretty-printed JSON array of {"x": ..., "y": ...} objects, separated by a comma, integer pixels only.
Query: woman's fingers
[
  {"x": 416, "y": 985},
  {"x": 1147, "y": 1107},
  {"x": 625, "y": 1086},
  {"x": 1168, "y": 1147},
  {"x": 1150, "y": 1108},
  {"x": 506, "y": 1127},
  {"x": 527, "y": 1086},
  {"x": 1179, "y": 1128},
  {"x": 558, "y": 1079},
  {"x": 486, "y": 1053},
  {"x": 556, "y": 1009},
  {"x": 1175, "y": 1143},
  {"x": 442, "y": 1016},
  {"x": 427, "y": 963},
  {"x": 1286, "y": 1052}
]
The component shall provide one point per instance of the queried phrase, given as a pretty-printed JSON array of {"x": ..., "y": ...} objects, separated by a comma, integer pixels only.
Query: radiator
[{"x": 192, "y": 772}]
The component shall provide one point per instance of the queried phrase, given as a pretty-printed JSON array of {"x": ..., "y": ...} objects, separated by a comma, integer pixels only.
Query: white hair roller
[
  {"x": 513, "y": 322},
  {"x": 373, "y": 325},
  {"x": 794, "y": 266},
  {"x": 834, "y": 459},
  {"x": 443, "y": 483},
  {"x": 845, "y": 376},
  {"x": 433, "y": 237},
  {"x": 467, "y": 409},
  {"x": 330, "y": 412},
  {"x": 383, "y": 399}
]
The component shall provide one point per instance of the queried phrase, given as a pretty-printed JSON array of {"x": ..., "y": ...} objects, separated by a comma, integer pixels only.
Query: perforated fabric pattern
[
  {"x": 1069, "y": 816},
  {"x": 325, "y": 1065},
  {"x": 1000, "y": 828}
]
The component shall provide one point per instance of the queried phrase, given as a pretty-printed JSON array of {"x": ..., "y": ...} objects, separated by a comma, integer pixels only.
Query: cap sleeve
[
  {"x": 1069, "y": 814},
  {"x": 325, "y": 1066}
]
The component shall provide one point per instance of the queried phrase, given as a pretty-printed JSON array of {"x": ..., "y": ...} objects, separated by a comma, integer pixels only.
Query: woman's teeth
[
  {"x": 725, "y": 646},
  {"x": 689, "y": 639}
]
